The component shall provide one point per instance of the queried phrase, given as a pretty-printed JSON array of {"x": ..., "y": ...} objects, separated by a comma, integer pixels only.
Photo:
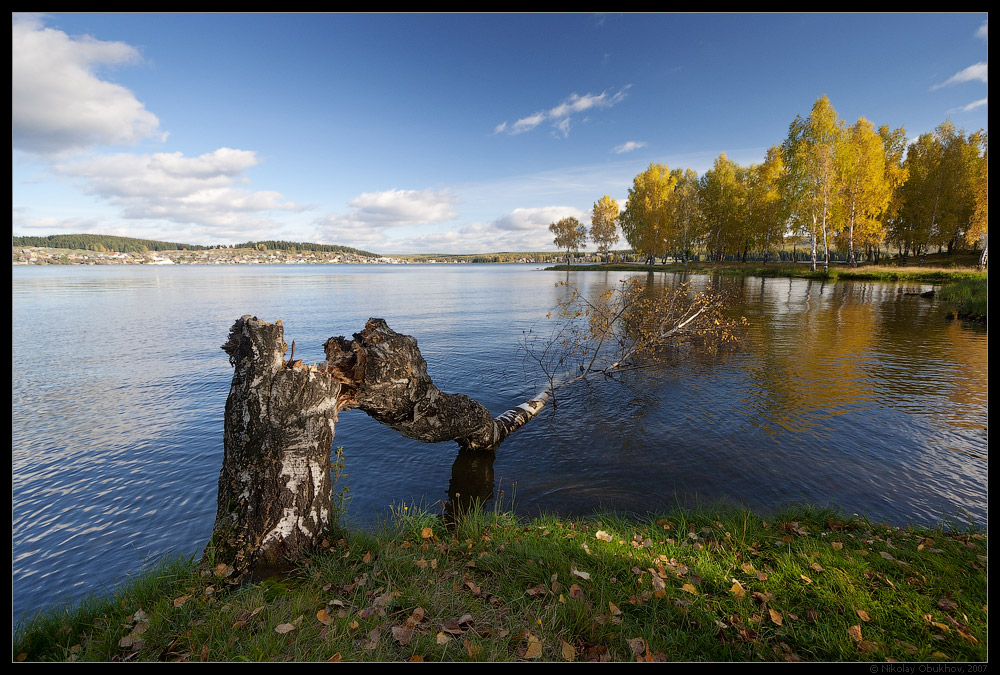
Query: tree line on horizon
[
  {"x": 102, "y": 243},
  {"x": 851, "y": 188}
]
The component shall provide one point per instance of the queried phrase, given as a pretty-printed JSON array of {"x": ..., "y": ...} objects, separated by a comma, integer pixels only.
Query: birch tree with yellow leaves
[
  {"x": 648, "y": 219},
  {"x": 812, "y": 185}
]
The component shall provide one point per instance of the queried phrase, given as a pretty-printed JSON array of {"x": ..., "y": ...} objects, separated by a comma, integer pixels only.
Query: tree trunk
[
  {"x": 274, "y": 487},
  {"x": 274, "y": 498}
]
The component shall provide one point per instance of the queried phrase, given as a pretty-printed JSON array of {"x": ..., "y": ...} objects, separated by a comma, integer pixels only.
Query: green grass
[
  {"x": 722, "y": 585},
  {"x": 967, "y": 298}
]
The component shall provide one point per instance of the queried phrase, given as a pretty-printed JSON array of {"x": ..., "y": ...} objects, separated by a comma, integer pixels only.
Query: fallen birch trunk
[{"x": 274, "y": 502}]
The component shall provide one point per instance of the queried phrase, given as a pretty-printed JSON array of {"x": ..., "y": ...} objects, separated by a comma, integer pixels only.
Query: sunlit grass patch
[{"x": 690, "y": 585}]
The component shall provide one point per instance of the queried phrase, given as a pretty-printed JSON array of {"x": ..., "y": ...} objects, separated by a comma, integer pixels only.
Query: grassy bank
[
  {"x": 967, "y": 298},
  {"x": 871, "y": 272},
  {"x": 728, "y": 585}
]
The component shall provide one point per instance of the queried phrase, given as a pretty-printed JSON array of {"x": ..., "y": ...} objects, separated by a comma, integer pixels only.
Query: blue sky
[{"x": 446, "y": 133}]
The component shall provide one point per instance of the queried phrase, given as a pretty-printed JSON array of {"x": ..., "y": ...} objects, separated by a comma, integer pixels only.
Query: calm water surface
[{"x": 854, "y": 395}]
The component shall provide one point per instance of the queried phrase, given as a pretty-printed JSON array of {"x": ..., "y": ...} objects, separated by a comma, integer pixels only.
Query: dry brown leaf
[
  {"x": 776, "y": 617},
  {"x": 534, "y": 649},
  {"x": 579, "y": 573},
  {"x": 442, "y": 638},
  {"x": 336, "y": 658},
  {"x": 567, "y": 651},
  {"x": 945, "y": 603},
  {"x": 855, "y": 632},
  {"x": 416, "y": 658},
  {"x": 603, "y": 536},
  {"x": 576, "y": 592},
  {"x": 427, "y": 532},
  {"x": 367, "y": 558},
  {"x": 452, "y": 626},
  {"x": 837, "y": 545},
  {"x": 614, "y": 609},
  {"x": 323, "y": 617},
  {"x": 864, "y": 615},
  {"x": 737, "y": 589},
  {"x": 638, "y": 646},
  {"x": 805, "y": 579},
  {"x": 658, "y": 585},
  {"x": 688, "y": 588},
  {"x": 402, "y": 635},
  {"x": 178, "y": 602},
  {"x": 284, "y": 628}
]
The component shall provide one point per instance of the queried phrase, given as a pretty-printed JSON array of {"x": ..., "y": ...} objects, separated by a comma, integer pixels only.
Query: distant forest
[
  {"x": 104, "y": 242},
  {"x": 302, "y": 246},
  {"x": 113, "y": 244}
]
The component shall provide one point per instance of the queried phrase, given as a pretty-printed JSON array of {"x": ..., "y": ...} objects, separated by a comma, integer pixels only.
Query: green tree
[
  {"x": 603, "y": 230},
  {"x": 569, "y": 234},
  {"x": 647, "y": 221}
]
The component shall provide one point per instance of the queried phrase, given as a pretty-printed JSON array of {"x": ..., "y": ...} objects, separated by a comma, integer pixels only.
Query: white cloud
[
  {"x": 629, "y": 146},
  {"x": 977, "y": 72},
  {"x": 972, "y": 106},
  {"x": 561, "y": 114},
  {"x": 403, "y": 207},
  {"x": 523, "y": 229},
  {"x": 526, "y": 123},
  {"x": 187, "y": 190},
  {"x": 981, "y": 31},
  {"x": 59, "y": 104},
  {"x": 376, "y": 212}
]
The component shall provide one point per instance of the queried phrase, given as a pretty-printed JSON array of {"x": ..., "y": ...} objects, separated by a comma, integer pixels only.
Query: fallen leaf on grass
[
  {"x": 855, "y": 632},
  {"x": 579, "y": 573},
  {"x": 323, "y": 617},
  {"x": 534, "y": 648},
  {"x": 402, "y": 635},
  {"x": 178, "y": 602},
  {"x": 442, "y": 638},
  {"x": 638, "y": 646},
  {"x": 566, "y": 650},
  {"x": 603, "y": 536},
  {"x": 776, "y": 617},
  {"x": 737, "y": 589},
  {"x": 416, "y": 658},
  {"x": 945, "y": 603},
  {"x": 864, "y": 615},
  {"x": 284, "y": 628},
  {"x": 688, "y": 588},
  {"x": 805, "y": 579},
  {"x": 576, "y": 592},
  {"x": 427, "y": 532}
]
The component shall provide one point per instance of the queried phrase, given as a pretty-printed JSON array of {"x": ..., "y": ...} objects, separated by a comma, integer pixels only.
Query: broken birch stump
[{"x": 274, "y": 502}]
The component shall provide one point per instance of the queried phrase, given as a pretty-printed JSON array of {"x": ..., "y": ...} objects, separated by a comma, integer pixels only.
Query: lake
[{"x": 857, "y": 395}]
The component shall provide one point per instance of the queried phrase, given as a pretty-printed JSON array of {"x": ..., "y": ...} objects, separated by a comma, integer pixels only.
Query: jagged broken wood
[{"x": 274, "y": 501}]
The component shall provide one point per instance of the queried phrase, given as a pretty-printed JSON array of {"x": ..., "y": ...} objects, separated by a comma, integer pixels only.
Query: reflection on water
[{"x": 855, "y": 395}]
